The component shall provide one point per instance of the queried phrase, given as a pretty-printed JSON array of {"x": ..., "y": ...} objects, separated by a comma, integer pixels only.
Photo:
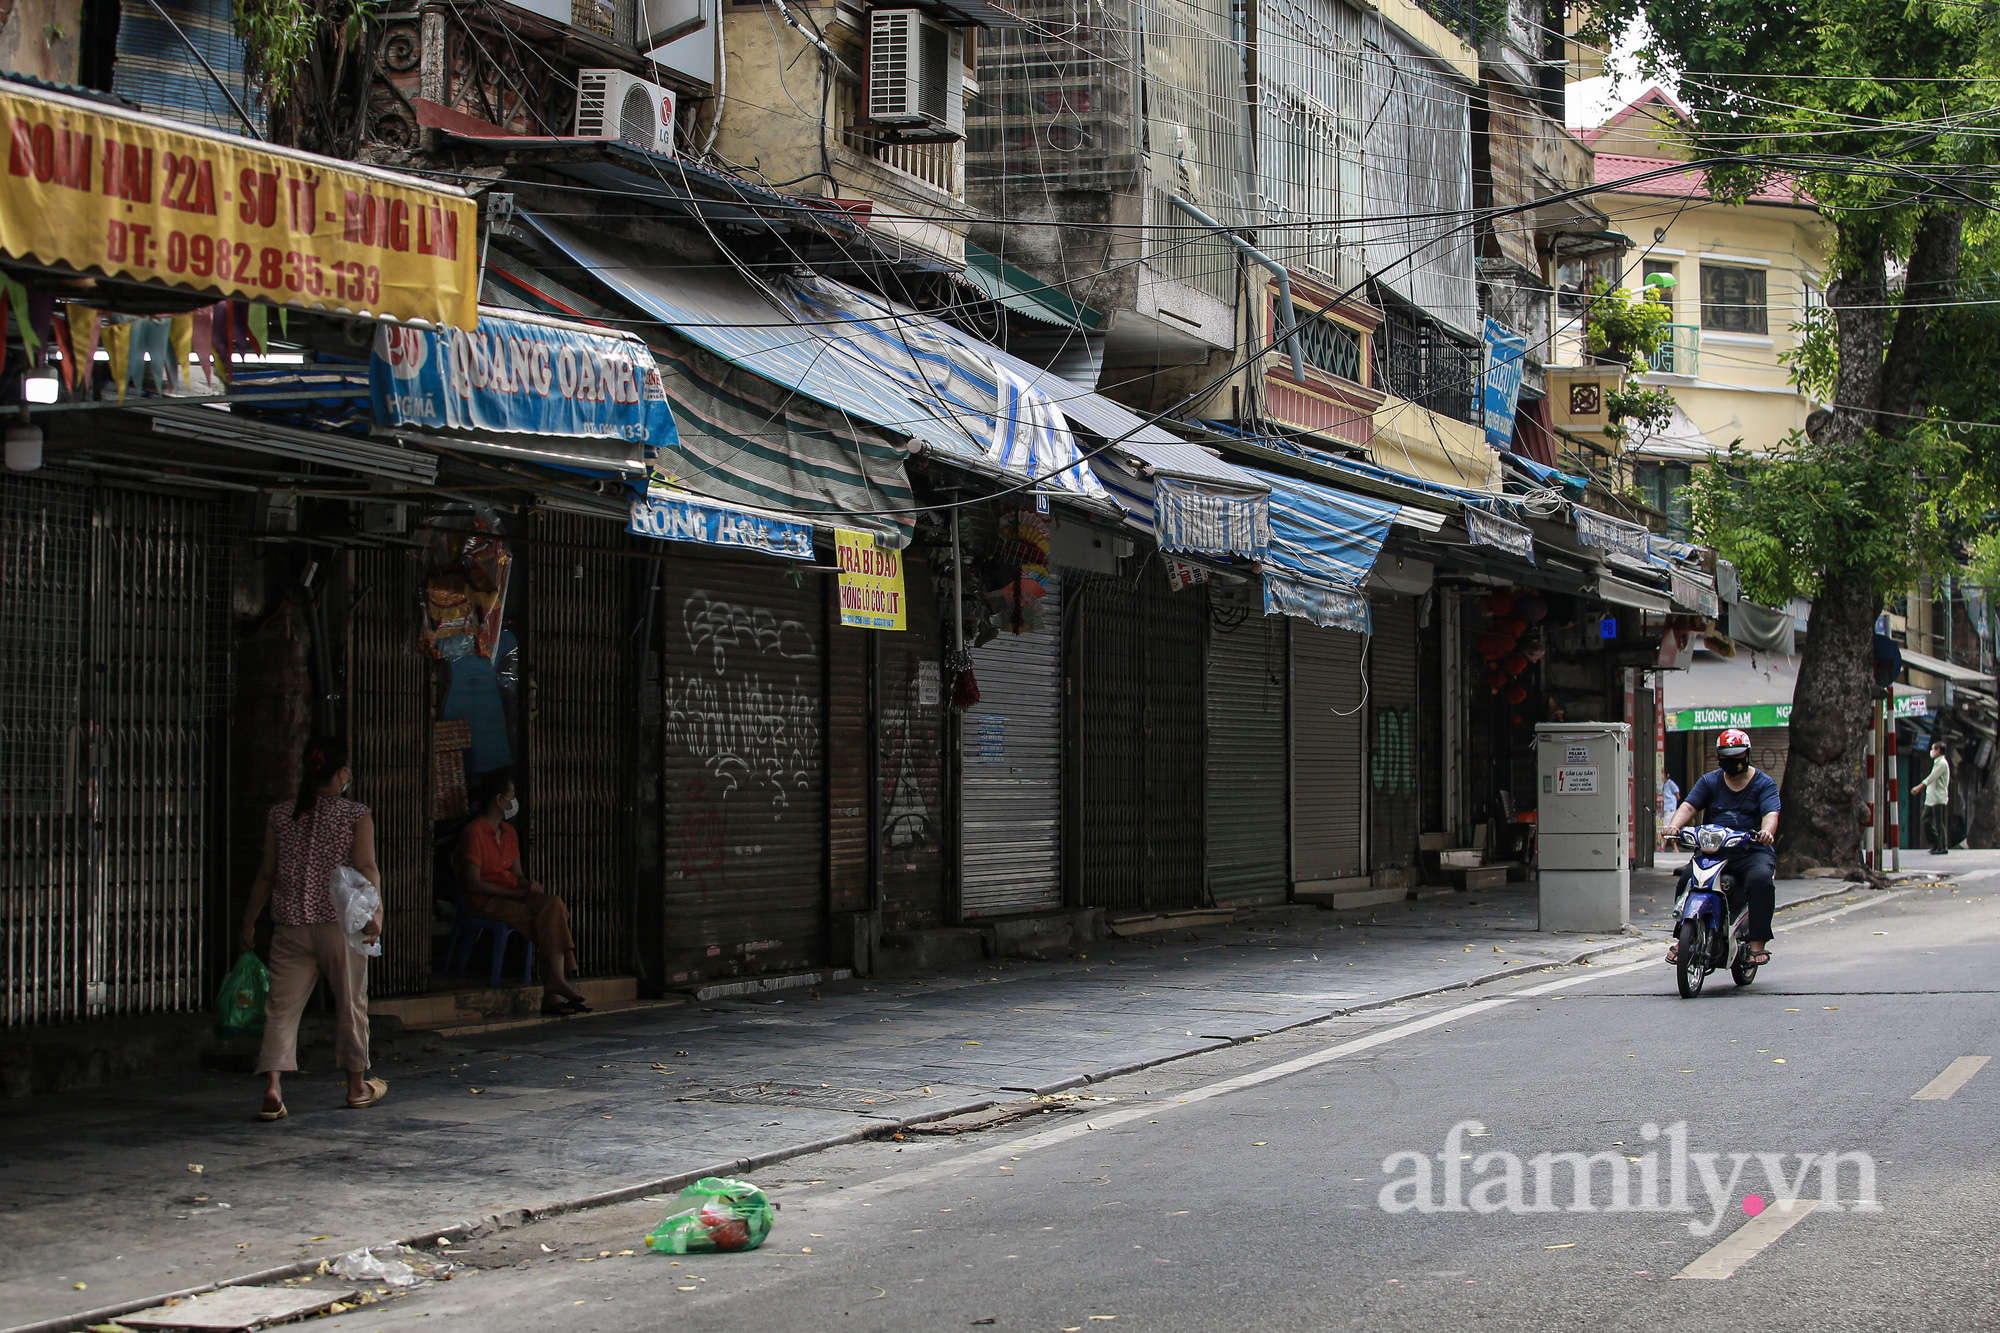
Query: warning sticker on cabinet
[
  {"x": 1576, "y": 781},
  {"x": 1576, "y": 754}
]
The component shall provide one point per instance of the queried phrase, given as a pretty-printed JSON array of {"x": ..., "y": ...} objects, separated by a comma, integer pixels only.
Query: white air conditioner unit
[
  {"x": 916, "y": 75},
  {"x": 611, "y": 104}
]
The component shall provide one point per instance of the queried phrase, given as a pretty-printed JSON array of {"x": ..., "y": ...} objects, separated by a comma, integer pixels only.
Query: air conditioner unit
[
  {"x": 611, "y": 104},
  {"x": 916, "y": 75}
]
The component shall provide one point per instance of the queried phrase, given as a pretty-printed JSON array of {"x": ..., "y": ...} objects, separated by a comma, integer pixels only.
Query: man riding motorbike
[{"x": 1738, "y": 796}]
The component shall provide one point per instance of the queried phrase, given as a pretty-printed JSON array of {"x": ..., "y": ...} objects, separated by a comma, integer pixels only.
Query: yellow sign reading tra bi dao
[
  {"x": 100, "y": 190},
  {"x": 871, "y": 582}
]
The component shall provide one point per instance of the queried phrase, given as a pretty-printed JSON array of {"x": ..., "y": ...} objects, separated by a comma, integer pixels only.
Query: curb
[{"x": 509, "y": 1218}]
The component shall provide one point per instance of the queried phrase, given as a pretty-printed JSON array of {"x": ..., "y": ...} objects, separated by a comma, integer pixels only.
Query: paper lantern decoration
[
  {"x": 1514, "y": 627},
  {"x": 1500, "y": 603},
  {"x": 1533, "y": 650},
  {"x": 1493, "y": 646},
  {"x": 1495, "y": 678},
  {"x": 1532, "y": 609},
  {"x": 1515, "y": 694},
  {"x": 1516, "y": 719},
  {"x": 1514, "y": 663}
]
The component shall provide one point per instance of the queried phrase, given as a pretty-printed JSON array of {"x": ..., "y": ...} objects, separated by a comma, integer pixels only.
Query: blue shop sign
[
  {"x": 524, "y": 377},
  {"x": 687, "y": 518}
]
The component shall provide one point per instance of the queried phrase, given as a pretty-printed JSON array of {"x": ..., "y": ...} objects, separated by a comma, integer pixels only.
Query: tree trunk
[
  {"x": 1833, "y": 703},
  {"x": 1822, "y": 820}
]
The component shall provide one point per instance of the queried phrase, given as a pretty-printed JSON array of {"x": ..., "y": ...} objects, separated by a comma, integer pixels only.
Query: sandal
[
  {"x": 278, "y": 1114},
  {"x": 1674, "y": 952},
  {"x": 1758, "y": 958},
  {"x": 377, "y": 1090}
]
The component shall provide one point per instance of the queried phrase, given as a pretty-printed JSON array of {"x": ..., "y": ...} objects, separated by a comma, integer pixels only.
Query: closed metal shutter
[
  {"x": 1136, "y": 655},
  {"x": 577, "y": 654},
  {"x": 115, "y": 667},
  {"x": 744, "y": 768},
  {"x": 1010, "y": 762},
  {"x": 1645, "y": 780},
  {"x": 1329, "y": 801},
  {"x": 389, "y": 688},
  {"x": 910, "y": 759},
  {"x": 1393, "y": 801},
  {"x": 1246, "y": 758},
  {"x": 847, "y": 753}
]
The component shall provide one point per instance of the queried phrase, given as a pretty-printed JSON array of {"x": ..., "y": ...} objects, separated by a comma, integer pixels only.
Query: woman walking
[{"x": 304, "y": 840}]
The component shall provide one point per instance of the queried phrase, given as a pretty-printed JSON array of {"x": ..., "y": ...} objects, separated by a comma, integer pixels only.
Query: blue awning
[
  {"x": 1323, "y": 544},
  {"x": 1188, "y": 500}
]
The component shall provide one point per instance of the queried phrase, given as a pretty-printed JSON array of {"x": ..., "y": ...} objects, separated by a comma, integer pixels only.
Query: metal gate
[
  {"x": 1393, "y": 797},
  {"x": 744, "y": 768},
  {"x": 1135, "y": 650},
  {"x": 388, "y": 730},
  {"x": 1329, "y": 800},
  {"x": 114, "y": 690},
  {"x": 1010, "y": 765},
  {"x": 1246, "y": 757},
  {"x": 577, "y": 654},
  {"x": 909, "y": 777}
]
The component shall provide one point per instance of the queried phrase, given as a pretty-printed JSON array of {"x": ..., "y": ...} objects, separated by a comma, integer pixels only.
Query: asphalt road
[{"x": 1242, "y": 1188}]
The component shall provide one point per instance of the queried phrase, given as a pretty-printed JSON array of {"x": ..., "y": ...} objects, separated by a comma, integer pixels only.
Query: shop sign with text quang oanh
[{"x": 100, "y": 190}]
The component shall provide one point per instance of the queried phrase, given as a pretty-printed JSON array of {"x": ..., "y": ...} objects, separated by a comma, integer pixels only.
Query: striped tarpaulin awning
[{"x": 1323, "y": 545}]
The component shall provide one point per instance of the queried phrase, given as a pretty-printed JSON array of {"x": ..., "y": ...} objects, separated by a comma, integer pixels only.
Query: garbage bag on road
[
  {"x": 239, "y": 1006},
  {"x": 714, "y": 1214},
  {"x": 392, "y": 1265}
]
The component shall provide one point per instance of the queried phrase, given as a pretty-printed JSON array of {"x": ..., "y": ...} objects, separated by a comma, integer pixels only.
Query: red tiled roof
[{"x": 1691, "y": 183}]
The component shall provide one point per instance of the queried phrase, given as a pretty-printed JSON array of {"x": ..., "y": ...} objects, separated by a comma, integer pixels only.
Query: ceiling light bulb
[{"x": 39, "y": 386}]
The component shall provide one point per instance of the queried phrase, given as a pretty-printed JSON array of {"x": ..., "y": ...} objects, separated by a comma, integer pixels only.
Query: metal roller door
[
  {"x": 1136, "y": 654},
  {"x": 115, "y": 663},
  {"x": 389, "y": 690},
  {"x": 850, "y": 888},
  {"x": 910, "y": 760},
  {"x": 1394, "y": 801},
  {"x": 744, "y": 790},
  {"x": 1246, "y": 758},
  {"x": 577, "y": 659},
  {"x": 1329, "y": 801},
  {"x": 1010, "y": 762}
]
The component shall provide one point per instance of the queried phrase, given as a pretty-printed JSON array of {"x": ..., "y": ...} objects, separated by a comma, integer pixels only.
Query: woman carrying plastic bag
[{"x": 314, "y": 849}]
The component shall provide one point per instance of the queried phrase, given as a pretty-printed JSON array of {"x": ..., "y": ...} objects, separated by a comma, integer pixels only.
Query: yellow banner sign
[
  {"x": 99, "y": 190},
  {"x": 871, "y": 582}
]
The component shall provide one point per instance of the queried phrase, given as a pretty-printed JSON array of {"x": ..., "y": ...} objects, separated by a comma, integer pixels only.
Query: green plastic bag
[
  {"x": 714, "y": 1214},
  {"x": 239, "y": 1008}
]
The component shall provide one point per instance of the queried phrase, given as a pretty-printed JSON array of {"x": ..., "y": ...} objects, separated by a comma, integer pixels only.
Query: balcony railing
[{"x": 1679, "y": 353}]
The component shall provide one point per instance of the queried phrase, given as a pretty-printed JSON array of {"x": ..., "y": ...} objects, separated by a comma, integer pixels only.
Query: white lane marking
[
  {"x": 1093, "y": 1122},
  {"x": 1955, "y": 1076},
  {"x": 1745, "y": 1243},
  {"x": 1843, "y": 911},
  {"x": 1050, "y": 1138}
]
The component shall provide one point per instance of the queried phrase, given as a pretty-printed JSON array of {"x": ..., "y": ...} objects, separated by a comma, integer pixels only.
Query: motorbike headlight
[{"x": 1710, "y": 841}]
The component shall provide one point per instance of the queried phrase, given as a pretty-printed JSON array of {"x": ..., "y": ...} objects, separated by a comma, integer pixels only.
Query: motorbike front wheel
[{"x": 1691, "y": 967}]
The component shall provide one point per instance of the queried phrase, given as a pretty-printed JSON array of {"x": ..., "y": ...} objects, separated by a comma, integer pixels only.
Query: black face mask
[{"x": 1736, "y": 765}]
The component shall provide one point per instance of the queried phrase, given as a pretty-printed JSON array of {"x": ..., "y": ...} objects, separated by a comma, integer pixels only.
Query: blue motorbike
[{"x": 1709, "y": 909}]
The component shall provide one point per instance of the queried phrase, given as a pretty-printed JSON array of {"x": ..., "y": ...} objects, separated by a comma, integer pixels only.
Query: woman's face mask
[{"x": 510, "y": 807}]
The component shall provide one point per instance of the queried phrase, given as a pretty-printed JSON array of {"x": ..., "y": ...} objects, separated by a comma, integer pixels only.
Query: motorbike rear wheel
[
  {"x": 1744, "y": 973},
  {"x": 1691, "y": 967}
]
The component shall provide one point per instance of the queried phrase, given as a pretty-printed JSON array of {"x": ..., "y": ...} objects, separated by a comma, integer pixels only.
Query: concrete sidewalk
[{"x": 105, "y": 1204}]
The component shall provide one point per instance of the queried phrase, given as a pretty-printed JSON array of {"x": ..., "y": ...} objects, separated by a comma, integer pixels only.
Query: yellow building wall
[
  {"x": 1740, "y": 387},
  {"x": 1421, "y": 443}
]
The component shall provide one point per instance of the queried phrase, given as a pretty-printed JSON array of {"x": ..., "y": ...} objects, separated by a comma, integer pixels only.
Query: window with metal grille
[
  {"x": 1732, "y": 299},
  {"x": 1333, "y": 348},
  {"x": 1417, "y": 360}
]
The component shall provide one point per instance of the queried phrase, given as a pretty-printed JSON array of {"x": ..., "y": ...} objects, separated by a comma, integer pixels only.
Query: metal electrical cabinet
[{"x": 1583, "y": 832}]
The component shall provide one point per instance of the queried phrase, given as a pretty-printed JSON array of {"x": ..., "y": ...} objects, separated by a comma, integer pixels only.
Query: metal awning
[
  {"x": 1748, "y": 690},
  {"x": 1679, "y": 438},
  {"x": 1951, "y": 671},
  {"x": 355, "y": 453},
  {"x": 1024, "y": 293},
  {"x": 1621, "y": 593}
]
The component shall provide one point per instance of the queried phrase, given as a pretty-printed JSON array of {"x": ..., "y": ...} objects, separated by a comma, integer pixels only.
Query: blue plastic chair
[{"x": 468, "y": 929}]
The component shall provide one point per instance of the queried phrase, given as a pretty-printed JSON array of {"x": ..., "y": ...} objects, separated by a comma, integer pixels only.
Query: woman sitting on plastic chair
[{"x": 498, "y": 888}]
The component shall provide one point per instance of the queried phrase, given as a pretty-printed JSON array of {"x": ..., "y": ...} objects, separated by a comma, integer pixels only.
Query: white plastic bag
[{"x": 355, "y": 903}]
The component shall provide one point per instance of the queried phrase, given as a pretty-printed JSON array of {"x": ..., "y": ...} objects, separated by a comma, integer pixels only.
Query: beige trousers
[{"x": 300, "y": 956}]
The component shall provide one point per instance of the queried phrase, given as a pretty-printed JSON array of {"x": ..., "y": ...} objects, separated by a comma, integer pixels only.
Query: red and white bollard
[
  {"x": 1870, "y": 845},
  {"x": 1893, "y": 788}
]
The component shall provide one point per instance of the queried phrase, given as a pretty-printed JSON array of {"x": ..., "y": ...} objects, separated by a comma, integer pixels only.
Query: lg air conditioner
[
  {"x": 916, "y": 73},
  {"x": 611, "y": 104}
]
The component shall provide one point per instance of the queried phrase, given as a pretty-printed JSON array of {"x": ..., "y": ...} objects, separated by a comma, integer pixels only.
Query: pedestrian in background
[
  {"x": 1936, "y": 787},
  {"x": 304, "y": 841}
]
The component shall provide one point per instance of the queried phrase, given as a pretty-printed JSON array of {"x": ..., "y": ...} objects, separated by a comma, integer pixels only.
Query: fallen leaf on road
[
  {"x": 475, "y": 1089},
  {"x": 547, "y": 1248},
  {"x": 77, "y": 1286},
  {"x": 1261, "y": 1143},
  {"x": 1778, "y": 1061},
  {"x": 676, "y": 1289},
  {"x": 989, "y": 1319},
  {"x": 1566, "y": 1245},
  {"x": 626, "y": 1254}
]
